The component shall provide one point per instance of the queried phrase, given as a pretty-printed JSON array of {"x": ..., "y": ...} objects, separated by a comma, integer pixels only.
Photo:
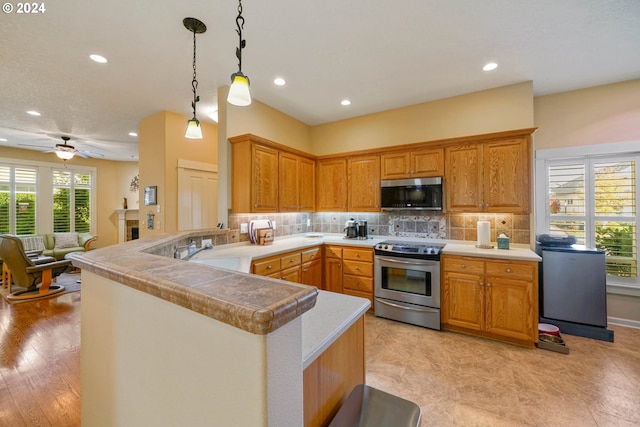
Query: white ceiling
[{"x": 380, "y": 54}]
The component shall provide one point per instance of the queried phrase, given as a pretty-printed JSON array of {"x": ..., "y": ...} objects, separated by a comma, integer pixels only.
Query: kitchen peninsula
[{"x": 171, "y": 342}]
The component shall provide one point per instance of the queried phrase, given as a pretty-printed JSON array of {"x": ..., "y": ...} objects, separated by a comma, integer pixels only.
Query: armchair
[{"x": 28, "y": 272}]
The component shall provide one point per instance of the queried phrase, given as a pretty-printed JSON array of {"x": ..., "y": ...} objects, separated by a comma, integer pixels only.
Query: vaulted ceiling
[{"x": 379, "y": 54}]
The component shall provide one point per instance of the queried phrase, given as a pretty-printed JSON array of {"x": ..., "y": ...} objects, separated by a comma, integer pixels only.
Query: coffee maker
[
  {"x": 351, "y": 229},
  {"x": 356, "y": 229}
]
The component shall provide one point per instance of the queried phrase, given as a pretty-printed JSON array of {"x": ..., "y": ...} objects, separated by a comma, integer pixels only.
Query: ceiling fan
[{"x": 67, "y": 151}]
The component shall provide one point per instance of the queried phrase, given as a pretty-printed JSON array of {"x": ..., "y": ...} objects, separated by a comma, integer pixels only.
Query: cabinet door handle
[
  {"x": 269, "y": 267},
  {"x": 481, "y": 283},
  {"x": 463, "y": 266},
  {"x": 480, "y": 205},
  {"x": 489, "y": 285},
  {"x": 292, "y": 260},
  {"x": 357, "y": 255},
  {"x": 508, "y": 270},
  {"x": 304, "y": 270}
]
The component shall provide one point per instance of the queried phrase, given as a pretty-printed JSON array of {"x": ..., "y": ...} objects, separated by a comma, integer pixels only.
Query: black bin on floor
[{"x": 370, "y": 407}]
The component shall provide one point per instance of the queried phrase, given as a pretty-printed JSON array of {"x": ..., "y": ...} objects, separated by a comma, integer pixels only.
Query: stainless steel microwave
[{"x": 413, "y": 193}]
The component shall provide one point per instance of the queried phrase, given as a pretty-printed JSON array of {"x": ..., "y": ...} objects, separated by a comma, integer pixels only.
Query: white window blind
[
  {"x": 595, "y": 199},
  {"x": 18, "y": 188},
  {"x": 71, "y": 201}
]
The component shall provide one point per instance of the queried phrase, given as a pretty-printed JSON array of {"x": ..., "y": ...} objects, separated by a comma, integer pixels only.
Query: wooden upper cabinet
[
  {"x": 488, "y": 177},
  {"x": 364, "y": 183},
  {"x": 255, "y": 177},
  {"x": 266, "y": 177},
  {"x": 413, "y": 164},
  {"x": 288, "y": 183},
  {"x": 331, "y": 194},
  {"x": 463, "y": 178},
  {"x": 297, "y": 183},
  {"x": 307, "y": 184},
  {"x": 506, "y": 176}
]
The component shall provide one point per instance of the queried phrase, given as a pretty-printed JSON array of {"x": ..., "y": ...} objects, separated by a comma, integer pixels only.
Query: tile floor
[{"x": 460, "y": 380}]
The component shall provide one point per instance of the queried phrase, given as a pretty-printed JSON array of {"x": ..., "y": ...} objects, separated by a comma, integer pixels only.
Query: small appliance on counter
[
  {"x": 356, "y": 229},
  {"x": 573, "y": 287}
]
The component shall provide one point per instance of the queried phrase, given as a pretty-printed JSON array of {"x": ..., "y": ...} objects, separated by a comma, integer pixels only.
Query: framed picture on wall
[{"x": 150, "y": 195}]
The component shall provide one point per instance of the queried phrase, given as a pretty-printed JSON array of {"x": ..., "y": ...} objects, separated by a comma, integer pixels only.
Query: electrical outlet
[
  {"x": 308, "y": 222},
  {"x": 244, "y": 228},
  {"x": 158, "y": 208},
  {"x": 273, "y": 223},
  {"x": 206, "y": 242}
]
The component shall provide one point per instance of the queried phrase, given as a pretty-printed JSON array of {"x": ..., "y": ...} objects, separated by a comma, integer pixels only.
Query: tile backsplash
[{"x": 427, "y": 225}]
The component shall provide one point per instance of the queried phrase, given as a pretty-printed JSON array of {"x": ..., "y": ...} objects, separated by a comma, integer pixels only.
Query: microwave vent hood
[{"x": 412, "y": 194}]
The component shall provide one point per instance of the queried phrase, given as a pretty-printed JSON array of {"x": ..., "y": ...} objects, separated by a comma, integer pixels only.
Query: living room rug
[{"x": 68, "y": 280}]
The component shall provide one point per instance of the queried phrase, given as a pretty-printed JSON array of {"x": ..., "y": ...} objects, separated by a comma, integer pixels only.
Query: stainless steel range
[{"x": 407, "y": 282}]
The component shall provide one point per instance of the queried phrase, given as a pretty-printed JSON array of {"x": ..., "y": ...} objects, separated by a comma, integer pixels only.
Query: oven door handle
[
  {"x": 396, "y": 260},
  {"x": 423, "y": 310}
]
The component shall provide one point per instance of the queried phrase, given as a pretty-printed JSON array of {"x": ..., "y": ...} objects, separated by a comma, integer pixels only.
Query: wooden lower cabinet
[
  {"x": 329, "y": 379},
  {"x": 349, "y": 270},
  {"x": 494, "y": 298},
  {"x": 303, "y": 266}
]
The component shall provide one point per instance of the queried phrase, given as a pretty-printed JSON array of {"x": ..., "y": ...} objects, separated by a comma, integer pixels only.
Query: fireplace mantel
[{"x": 125, "y": 215}]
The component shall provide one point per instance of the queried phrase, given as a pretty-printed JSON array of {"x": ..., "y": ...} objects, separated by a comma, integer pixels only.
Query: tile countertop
[{"x": 256, "y": 304}]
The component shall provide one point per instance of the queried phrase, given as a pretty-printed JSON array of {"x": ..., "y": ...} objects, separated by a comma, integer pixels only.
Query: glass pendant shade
[
  {"x": 193, "y": 129},
  {"x": 65, "y": 155},
  {"x": 239, "y": 91}
]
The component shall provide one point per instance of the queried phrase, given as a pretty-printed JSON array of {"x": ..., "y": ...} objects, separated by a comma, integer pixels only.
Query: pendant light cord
[
  {"x": 194, "y": 82},
  {"x": 241, "y": 42}
]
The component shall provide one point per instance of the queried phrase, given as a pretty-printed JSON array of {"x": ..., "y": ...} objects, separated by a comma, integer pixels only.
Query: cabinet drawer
[
  {"x": 311, "y": 254},
  {"x": 332, "y": 252},
  {"x": 358, "y": 268},
  {"x": 511, "y": 270},
  {"x": 462, "y": 265},
  {"x": 357, "y": 283},
  {"x": 358, "y": 254},
  {"x": 267, "y": 266},
  {"x": 290, "y": 260}
]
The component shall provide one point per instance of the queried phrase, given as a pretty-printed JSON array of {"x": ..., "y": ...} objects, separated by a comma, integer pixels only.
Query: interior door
[{"x": 197, "y": 199}]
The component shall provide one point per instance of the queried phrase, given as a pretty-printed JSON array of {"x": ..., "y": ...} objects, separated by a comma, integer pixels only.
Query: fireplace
[
  {"x": 133, "y": 229},
  {"x": 128, "y": 225}
]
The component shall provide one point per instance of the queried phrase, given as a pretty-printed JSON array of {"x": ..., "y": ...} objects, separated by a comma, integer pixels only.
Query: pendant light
[
  {"x": 193, "y": 125},
  {"x": 239, "y": 91}
]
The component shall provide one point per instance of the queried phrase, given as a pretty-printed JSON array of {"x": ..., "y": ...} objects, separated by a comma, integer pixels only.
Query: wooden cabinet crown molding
[{"x": 486, "y": 137}]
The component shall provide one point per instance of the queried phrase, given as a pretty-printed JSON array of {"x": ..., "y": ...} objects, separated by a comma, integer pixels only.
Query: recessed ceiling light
[
  {"x": 345, "y": 102},
  {"x": 133, "y": 134},
  {"x": 33, "y": 113},
  {"x": 98, "y": 58},
  {"x": 4, "y": 140},
  {"x": 490, "y": 66},
  {"x": 279, "y": 81}
]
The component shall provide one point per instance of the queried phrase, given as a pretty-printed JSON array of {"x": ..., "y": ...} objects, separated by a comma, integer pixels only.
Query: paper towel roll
[{"x": 484, "y": 233}]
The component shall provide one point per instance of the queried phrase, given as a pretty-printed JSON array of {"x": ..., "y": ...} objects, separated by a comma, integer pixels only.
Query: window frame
[
  {"x": 587, "y": 155},
  {"x": 13, "y": 184}
]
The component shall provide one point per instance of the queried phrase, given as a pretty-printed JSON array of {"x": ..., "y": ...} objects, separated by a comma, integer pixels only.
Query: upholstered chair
[{"x": 29, "y": 272}]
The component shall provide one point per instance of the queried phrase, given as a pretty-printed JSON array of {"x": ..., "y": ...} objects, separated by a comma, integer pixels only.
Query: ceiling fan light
[
  {"x": 239, "y": 93},
  {"x": 64, "y": 155},
  {"x": 194, "y": 131}
]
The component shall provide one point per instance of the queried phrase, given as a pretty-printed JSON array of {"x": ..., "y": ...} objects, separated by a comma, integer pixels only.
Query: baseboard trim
[{"x": 623, "y": 322}]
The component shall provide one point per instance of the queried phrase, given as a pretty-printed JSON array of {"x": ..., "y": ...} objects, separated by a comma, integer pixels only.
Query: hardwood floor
[
  {"x": 40, "y": 362},
  {"x": 457, "y": 380}
]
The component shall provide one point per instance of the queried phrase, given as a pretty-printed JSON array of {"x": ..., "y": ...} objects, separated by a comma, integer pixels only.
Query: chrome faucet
[
  {"x": 191, "y": 250},
  {"x": 191, "y": 247},
  {"x": 191, "y": 253}
]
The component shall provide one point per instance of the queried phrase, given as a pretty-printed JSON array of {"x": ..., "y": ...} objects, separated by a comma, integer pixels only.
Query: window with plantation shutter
[
  {"x": 18, "y": 188},
  {"x": 71, "y": 201},
  {"x": 595, "y": 199}
]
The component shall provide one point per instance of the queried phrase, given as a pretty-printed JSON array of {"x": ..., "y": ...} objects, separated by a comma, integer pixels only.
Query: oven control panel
[{"x": 409, "y": 249}]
